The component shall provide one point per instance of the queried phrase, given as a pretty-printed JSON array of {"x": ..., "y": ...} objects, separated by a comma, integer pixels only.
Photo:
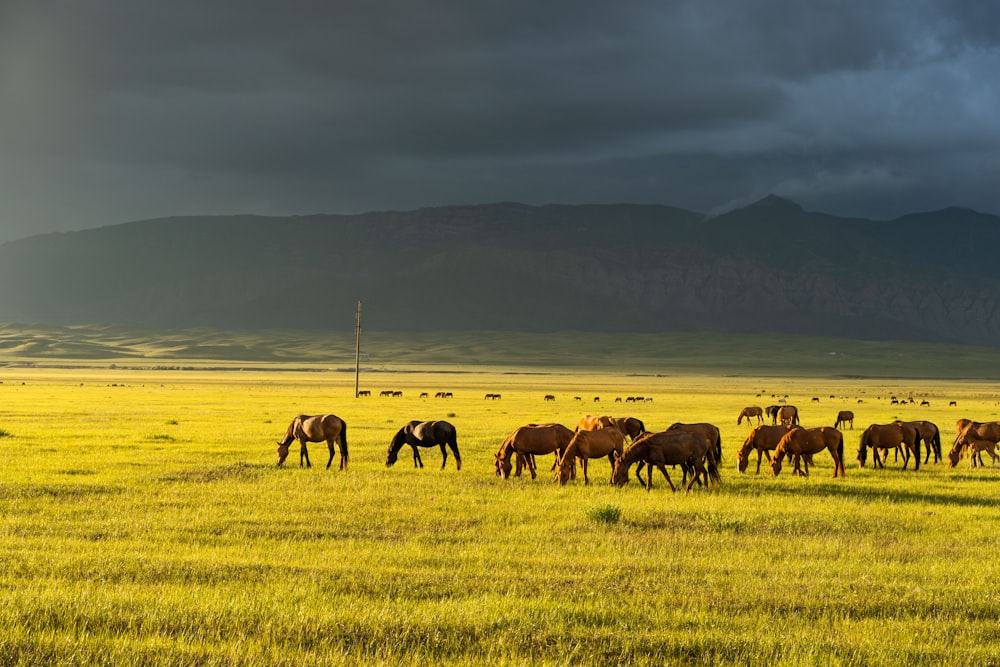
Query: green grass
[{"x": 123, "y": 544}]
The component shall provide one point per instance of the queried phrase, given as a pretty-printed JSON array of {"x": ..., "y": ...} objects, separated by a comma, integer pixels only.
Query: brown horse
[
  {"x": 931, "y": 435},
  {"x": 668, "y": 448},
  {"x": 608, "y": 441},
  {"x": 528, "y": 440},
  {"x": 808, "y": 441},
  {"x": 890, "y": 436},
  {"x": 593, "y": 422},
  {"x": 975, "y": 446},
  {"x": 305, "y": 429},
  {"x": 708, "y": 431},
  {"x": 763, "y": 439},
  {"x": 750, "y": 413},
  {"x": 630, "y": 426},
  {"x": 788, "y": 414},
  {"x": 844, "y": 417}
]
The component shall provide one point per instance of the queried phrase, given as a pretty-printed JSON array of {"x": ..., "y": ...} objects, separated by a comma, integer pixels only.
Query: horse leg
[
  {"x": 329, "y": 444},
  {"x": 663, "y": 469},
  {"x": 417, "y": 461},
  {"x": 760, "y": 455},
  {"x": 444, "y": 455},
  {"x": 699, "y": 468},
  {"x": 458, "y": 458},
  {"x": 638, "y": 472},
  {"x": 304, "y": 454},
  {"x": 583, "y": 464}
]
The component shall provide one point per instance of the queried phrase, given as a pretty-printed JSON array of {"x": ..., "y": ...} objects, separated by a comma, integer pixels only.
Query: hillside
[{"x": 768, "y": 267}]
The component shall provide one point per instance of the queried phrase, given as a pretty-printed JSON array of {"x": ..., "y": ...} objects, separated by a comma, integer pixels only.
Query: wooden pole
[{"x": 357, "y": 352}]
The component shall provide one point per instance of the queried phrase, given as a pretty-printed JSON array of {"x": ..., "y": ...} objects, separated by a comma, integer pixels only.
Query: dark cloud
[{"x": 115, "y": 110}]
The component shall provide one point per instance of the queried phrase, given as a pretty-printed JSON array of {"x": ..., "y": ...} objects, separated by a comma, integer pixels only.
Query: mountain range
[{"x": 767, "y": 267}]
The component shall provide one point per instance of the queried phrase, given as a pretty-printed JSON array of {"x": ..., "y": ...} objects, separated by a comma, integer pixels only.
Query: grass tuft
[{"x": 606, "y": 514}]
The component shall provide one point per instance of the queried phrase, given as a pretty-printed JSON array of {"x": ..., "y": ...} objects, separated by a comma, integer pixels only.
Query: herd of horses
[{"x": 696, "y": 447}]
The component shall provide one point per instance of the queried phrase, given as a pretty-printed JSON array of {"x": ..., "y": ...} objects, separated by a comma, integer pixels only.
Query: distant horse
[
  {"x": 608, "y": 441},
  {"x": 668, "y": 448},
  {"x": 772, "y": 412},
  {"x": 708, "y": 431},
  {"x": 763, "y": 439},
  {"x": 385, "y": 392},
  {"x": 425, "y": 434},
  {"x": 305, "y": 429},
  {"x": 549, "y": 397},
  {"x": 528, "y": 440},
  {"x": 808, "y": 441},
  {"x": 931, "y": 435},
  {"x": 845, "y": 417},
  {"x": 630, "y": 426},
  {"x": 788, "y": 414},
  {"x": 593, "y": 422},
  {"x": 890, "y": 436},
  {"x": 749, "y": 413},
  {"x": 364, "y": 392}
]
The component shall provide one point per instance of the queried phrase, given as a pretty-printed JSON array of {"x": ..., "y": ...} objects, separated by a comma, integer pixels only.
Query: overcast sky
[{"x": 116, "y": 110}]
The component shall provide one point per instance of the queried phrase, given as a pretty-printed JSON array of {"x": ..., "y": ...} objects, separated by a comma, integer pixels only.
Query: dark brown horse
[
  {"x": 425, "y": 434},
  {"x": 305, "y": 429},
  {"x": 708, "y": 431},
  {"x": 630, "y": 426},
  {"x": 750, "y": 413},
  {"x": 528, "y": 440},
  {"x": 890, "y": 436},
  {"x": 608, "y": 441},
  {"x": 763, "y": 439},
  {"x": 806, "y": 442},
  {"x": 845, "y": 417},
  {"x": 668, "y": 448},
  {"x": 931, "y": 435}
]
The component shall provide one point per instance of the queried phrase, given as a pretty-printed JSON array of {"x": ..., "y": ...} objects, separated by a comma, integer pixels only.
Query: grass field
[{"x": 144, "y": 522}]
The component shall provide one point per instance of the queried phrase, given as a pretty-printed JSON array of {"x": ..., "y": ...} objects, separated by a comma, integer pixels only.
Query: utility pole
[{"x": 357, "y": 352}]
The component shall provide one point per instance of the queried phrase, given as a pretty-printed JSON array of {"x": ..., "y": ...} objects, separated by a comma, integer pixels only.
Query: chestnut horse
[
  {"x": 528, "y": 440},
  {"x": 608, "y": 441},
  {"x": 975, "y": 445},
  {"x": 931, "y": 435},
  {"x": 305, "y": 429},
  {"x": 593, "y": 422},
  {"x": 788, "y": 414},
  {"x": 630, "y": 426},
  {"x": 708, "y": 431},
  {"x": 890, "y": 436},
  {"x": 845, "y": 417},
  {"x": 668, "y": 448},
  {"x": 803, "y": 441},
  {"x": 425, "y": 434},
  {"x": 763, "y": 439},
  {"x": 750, "y": 413}
]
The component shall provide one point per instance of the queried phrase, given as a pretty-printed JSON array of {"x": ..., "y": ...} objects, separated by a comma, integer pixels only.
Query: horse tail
[
  {"x": 936, "y": 441},
  {"x": 718, "y": 448},
  {"x": 343, "y": 439},
  {"x": 713, "y": 468},
  {"x": 916, "y": 448},
  {"x": 840, "y": 452}
]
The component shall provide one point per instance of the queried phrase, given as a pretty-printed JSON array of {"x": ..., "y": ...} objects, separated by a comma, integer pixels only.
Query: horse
[
  {"x": 772, "y": 412},
  {"x": 976, "y": 446},
  {"x": 749, "y": 413},
  {"x": 803, "y": 441},
  {"x": 931, "y": 435},
  {"x": 425, "y": 434},
  {"x": 890, "y": 436},
  {"x": 528, "y": 440},
  {"x": 305, "y": 428},
  {"x": 845, "y": 417},
  {"x": 630, "y": 426},
  {"x": 763, "y": 439},
  {"x": 668, "y": 448},
  {"x": 592, "y": 423},
  {"x": 708, "y": 431},
  {"x": 788, "y": 414},
  {"x": 608, "y": 441}
]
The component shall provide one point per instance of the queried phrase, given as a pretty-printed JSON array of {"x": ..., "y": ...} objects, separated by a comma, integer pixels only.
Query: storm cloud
[{"x": 115, "y": 110}]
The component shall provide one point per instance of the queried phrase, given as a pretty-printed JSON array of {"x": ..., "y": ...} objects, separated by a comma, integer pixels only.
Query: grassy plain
[{"x": 144, "y": 522}]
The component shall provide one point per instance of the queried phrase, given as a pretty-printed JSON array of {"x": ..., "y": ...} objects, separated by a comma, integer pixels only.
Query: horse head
[
  {"x": 503, "y": 466},
  {"x": 282, "y": 452},
  {"x": 619, "y": 472}
]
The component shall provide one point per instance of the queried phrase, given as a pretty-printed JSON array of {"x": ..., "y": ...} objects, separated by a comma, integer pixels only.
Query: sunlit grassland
[{"x": 144, "y": 522}]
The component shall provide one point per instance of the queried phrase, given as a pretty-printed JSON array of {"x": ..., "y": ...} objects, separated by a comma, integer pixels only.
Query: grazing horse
[
  {"x": 528, "y": 440},
  {"x": 305, "y": 429},
  {"x": 750, "y": 413},
  {"x": 788, "y": 414},
  {"x": 425, "y": 434},
  {"x": 890, "y": 436},
  {"x": 608, "y": 441},
  {"x": 845, "y": 417},
  {"x": 772, "y": 412},
  {"x": 975, "y": 446},
  {"x": 763, "y": 439},
  {"x": 708, "y": 431},
  {"x": 931, "y": 435},
  {"x": 592, "y": 423},
  {"x": 668, "y": 448},
  {"x": 803, "y": 441},
  {"x": 630, "y": 426}
]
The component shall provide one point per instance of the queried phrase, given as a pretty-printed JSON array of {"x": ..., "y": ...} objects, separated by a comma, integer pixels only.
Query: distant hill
[{"x": 768, "y": 267}]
